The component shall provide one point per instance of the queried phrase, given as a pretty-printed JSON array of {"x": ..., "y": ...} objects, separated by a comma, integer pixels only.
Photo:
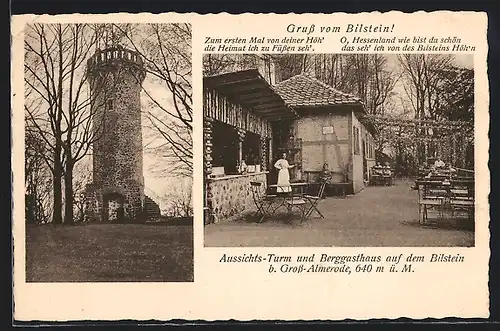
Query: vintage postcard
[{"x": 250, "y": 167}]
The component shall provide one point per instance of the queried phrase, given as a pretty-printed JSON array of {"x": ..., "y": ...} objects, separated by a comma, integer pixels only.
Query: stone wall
[{"x": 232, "y": 195}]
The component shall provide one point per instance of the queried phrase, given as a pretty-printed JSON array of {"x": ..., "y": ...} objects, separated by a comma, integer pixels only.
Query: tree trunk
[
  {"x": 57, "y": 187},
  {"x": 68, "y": 191}
]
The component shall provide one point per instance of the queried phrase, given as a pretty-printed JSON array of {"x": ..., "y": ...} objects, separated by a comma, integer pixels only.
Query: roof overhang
[
  {"x": 250, "y": 90},
  {"x": 368, "y": 123}
]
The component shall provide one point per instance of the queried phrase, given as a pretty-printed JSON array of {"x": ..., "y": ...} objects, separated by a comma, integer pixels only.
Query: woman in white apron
[{"x": 283, "y": 174}]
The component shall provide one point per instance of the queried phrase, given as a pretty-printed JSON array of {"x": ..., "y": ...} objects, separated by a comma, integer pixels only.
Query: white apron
[{"x": 283, "y": 176}]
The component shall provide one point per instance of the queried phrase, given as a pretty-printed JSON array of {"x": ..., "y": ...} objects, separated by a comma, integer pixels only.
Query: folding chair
[
  {"x": 430, "y": 195},
  {"x": 262, "y": 201},
  {"x": 462, "y": 198},
  {"x": 296, "y": 201},
  {"x": 314, "y": 199}
]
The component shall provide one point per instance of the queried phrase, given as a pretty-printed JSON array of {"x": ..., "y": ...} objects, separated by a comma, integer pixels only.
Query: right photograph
[{"x": 338, "y": 150}]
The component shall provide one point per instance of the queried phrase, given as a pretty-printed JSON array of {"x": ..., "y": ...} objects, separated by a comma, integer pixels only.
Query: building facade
[
  {"x": 239, "y": 111},
  {"x": 331, "y": 129},
  {"x": 312, "y": 122}
]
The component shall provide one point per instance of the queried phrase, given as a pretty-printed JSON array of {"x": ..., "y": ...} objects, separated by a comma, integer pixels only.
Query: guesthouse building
[{"x": 250, "y": 119}]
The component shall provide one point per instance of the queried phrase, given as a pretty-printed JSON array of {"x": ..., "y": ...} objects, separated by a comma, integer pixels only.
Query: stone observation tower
[{"x": 116, "y": 194}]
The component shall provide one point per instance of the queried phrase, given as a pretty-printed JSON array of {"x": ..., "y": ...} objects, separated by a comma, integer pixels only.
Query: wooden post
[
  {"x": 263, "y": 153},
  {"x": 207, "y": 166},
  {"x": 207, "y": 144},
  {"x": 241, "y": 137}
]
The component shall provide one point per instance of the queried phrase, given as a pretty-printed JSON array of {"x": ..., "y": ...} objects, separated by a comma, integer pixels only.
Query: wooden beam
[
  {"x": 239, "y": 88},
  {"x": 280, "y": 116},
  {"x": 261, "y": 99},
  {"x": 263, "y": 105},
  {"x": 267, "y": 110},
  {"x": 264, "y": 93},
  {"x": 219, "y": 82},
  {"x": 325, "y": 142}
]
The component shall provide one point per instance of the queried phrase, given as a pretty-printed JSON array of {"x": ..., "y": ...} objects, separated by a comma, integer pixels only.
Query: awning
[{"x": 250, "y": 90}]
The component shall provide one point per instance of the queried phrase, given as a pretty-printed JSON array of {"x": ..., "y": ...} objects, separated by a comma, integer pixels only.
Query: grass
[
  {"x": 375, "y": 217},
  {"x": 109, "y": 253}
]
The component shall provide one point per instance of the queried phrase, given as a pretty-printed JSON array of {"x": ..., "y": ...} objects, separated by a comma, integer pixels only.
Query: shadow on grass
[
  {"x": 457, "y": 224},
  {"x": 109, "y": 252},
  {"x": 186, "y": 221}
]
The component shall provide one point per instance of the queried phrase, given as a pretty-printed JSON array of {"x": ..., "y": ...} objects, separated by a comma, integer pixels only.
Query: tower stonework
[{"x": 117, "y": 190}]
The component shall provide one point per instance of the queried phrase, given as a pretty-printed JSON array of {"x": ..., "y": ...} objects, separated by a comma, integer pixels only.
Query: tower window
[{"x": 109, "y": 104}]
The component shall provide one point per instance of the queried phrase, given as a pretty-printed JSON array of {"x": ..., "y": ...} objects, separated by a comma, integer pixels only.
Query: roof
[
  {"x": 305, "y": 91},
  {"x": 250, "y": 90}
]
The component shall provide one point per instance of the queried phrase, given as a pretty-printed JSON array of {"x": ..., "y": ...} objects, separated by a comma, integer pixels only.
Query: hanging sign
[{"x": 327, "y": 129}]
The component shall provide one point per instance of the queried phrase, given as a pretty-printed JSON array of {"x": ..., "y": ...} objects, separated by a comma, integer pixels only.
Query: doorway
[{"x": 113, "y": 210}]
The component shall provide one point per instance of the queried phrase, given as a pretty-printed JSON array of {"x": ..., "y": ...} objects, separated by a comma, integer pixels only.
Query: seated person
[
  {"x": 439, "y": 163},
  {"x": 326, "y": 174},
  {"x": 243, "y": 167},
  {"x": 376, "y": 170},
  {"x": 387, "y": 171}
]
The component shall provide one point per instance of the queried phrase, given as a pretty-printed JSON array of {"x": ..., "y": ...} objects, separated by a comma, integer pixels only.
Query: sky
[{"x": 465, "y": 60}]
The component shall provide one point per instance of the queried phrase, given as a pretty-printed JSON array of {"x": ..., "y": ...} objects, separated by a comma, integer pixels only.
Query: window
[
  {"x": 109, "y": 104},
  {"x": 356, "y": 141},
  {"x": 370, "y": 147},
  {"x": 251, "y": 149},
  {"x": 224, "y": 147}
]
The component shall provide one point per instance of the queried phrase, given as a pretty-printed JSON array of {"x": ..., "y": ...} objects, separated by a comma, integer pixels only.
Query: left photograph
[{"x": 108, "y": 152}]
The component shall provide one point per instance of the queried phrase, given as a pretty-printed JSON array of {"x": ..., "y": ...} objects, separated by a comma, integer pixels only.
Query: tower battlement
[{"x": 102, "y": 60}]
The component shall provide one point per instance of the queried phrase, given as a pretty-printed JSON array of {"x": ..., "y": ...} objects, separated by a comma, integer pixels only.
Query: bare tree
[
  {"x": 179, "y": 201},
  {"x": 166, "y": 50},
  {"x": 58, "y": 104},
  {"x": 82, "y": 177},
  {"x": 421, "y": 79},
  {"x": 216, "y": 64},
  {"x": 37, "y": 178},
  {"x": 380, "y": 86},
  {"x": 422, "y": 75},
  {"x": 367, "y": 76}
]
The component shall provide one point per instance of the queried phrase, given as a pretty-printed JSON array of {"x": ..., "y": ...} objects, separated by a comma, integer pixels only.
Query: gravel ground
[{"x": 377, "y": 216}]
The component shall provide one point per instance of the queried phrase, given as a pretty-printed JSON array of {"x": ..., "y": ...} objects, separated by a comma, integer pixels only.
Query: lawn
[{"x": 109, "y": 253}]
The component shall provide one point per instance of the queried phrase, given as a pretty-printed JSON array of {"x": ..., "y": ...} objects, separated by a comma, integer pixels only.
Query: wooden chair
[
  {"x": 291, "y": 200},
  {"x": 462, "y": 197},
  {"x": 299, "y": 202},
  {"x": 387, "y": 179},
  {"x": 431, "y": 195},
  {"x": 261, "y": 200},
  {"x": 314, "y": 199}
]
